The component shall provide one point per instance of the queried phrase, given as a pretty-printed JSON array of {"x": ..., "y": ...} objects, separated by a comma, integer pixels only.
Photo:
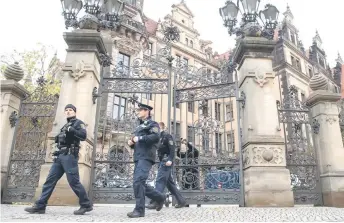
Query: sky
[{"x": 27, "y": 22}]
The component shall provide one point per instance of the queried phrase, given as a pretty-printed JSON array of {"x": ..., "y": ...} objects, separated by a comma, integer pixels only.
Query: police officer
[
  {"x": 66, "y": 161},
  {"x": 145, "y": 143},
  {"x": 164, "y": 177}
]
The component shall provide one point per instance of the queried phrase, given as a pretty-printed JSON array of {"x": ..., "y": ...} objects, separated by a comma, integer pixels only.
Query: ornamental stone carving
[
  {"x": 261, "y": 79},
  {"x": 14, "y": 72},
  {"x": 318, "y": 82},
  {"x": 271, "y": 155},
  {"x": 330, "y": 119},
  {"x": 78, "y": 70},
  {"x": 263, "y": 156}
]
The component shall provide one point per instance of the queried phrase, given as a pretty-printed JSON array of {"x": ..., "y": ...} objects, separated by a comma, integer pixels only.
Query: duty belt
[{"x": 69, "y": 150}]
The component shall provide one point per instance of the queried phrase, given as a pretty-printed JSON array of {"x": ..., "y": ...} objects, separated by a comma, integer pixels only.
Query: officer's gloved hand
[
  {"x": 56, "y": 153},
  {"x": 71, "y": 129}
]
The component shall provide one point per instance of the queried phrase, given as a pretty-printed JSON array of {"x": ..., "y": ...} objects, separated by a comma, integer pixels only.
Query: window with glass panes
[
  {"x": 205, "y": 142},
  {"x": 118, "y": 107},
  {"x": 191, "y": 136},
  {"x": 231, "y": 141},
  {"x": 218, "y": 142},
  {"x": 229, "y": 111},
  {"x": 217, "y": 111}
]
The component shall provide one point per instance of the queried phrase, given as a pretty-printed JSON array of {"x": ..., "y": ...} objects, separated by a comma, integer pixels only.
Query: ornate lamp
[
  {"x": 98, "y": 13},
  {"x": 249, "y": 25},
  {"x": 71, "y": 8}
]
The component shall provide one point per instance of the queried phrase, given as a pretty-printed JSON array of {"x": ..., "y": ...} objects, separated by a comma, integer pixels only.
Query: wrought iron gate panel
[
  {"x": 35, "y": 121},
  {"x": 146, "y": 81},
  {"x": 166, "y": 80},
  {"x": 207, "y": 165},
  {"x": 300, "y": 153}
]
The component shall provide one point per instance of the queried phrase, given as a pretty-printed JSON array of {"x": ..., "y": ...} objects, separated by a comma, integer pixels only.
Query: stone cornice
[
  {"x": 263, "y": 140},
  {"x": 85, "y": 41},
  {"x": 321, "y": 96},
  {"x": 257, "y": 47},
  {"x": 13, "y": 87}
]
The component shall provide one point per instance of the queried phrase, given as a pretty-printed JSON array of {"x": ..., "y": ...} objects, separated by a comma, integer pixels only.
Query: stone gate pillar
[
  {"x": 81, "y": 75},
  {"x": 11, "y": 95},
  {"x": 328, "y": 141},
  {"x": 266, "y": 178}
]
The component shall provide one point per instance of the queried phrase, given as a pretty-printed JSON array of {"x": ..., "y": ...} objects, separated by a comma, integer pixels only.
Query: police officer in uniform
[
  {"x": 164, "y": 178},
  {"x": 145, "y": 143},
  {"x": 66, "y": 161}
]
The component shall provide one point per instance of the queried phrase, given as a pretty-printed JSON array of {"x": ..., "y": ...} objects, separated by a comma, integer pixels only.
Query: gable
[{"x": 183, "y": 7}]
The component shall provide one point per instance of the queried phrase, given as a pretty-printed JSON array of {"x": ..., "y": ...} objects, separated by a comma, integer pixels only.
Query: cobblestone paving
[{"x": 202, "y": 214}]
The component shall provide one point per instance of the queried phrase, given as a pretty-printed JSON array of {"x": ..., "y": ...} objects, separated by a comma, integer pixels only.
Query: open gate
[
  {"x": 166, "y": 83},
  {"x": 207, "y": 167},
  {"x": 145, "y": 81},
  {"x": 28, "y": 152},
  {"x": 300, "y": 153}
]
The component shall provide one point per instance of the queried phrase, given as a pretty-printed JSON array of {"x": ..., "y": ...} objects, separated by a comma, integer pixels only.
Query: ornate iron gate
[
  {"x": 300, "y": 153},
  {"x": 157, "y": 80},
  {"x": 208, "y": 169},
  {"x": 145, "y": 81},
  {"x": 29, "y": 145}
]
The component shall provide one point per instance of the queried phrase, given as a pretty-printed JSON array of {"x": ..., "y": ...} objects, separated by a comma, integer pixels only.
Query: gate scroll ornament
[
  {"x": 29, "y": 146},
  {"x": 300, "y": 153},
  {"x": 112, "y": 167}
]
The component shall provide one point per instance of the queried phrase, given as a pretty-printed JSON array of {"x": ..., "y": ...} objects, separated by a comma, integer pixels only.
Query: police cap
[{"x": 143, "y": 106}]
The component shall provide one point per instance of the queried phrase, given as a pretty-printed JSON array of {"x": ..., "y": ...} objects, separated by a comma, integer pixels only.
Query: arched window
[
  {"x": 191, "y": 44},
  {"x": 187, "y": 41}
]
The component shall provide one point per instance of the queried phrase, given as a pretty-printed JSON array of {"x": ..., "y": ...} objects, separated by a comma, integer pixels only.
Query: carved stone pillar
[
  {"x": 266, "y": 178},
  {"x": 328, "y": 141},
  {"x": 82, "y": 75},
  {"x": 11, "y": 95}
]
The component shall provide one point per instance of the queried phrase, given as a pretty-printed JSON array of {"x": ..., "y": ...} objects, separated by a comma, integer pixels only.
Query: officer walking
[
  {"x": 164, "y": 178},
  {"x": 66, "y": 161},
  {"x": 145, "y": 143}
]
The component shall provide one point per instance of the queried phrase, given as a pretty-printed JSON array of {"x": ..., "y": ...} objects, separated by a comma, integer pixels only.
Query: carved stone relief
[
  {"x": 263, "y": 156},
  {"x": 78, "y": 70},
  {"x": 330, "y": 119},
  {"x": 271, "y": 155}
]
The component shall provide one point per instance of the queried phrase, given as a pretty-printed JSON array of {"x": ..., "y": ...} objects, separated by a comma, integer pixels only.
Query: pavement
[{"x": 116, "y": 213}]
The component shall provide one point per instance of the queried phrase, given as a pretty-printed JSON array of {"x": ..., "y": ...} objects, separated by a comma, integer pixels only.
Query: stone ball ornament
[
  {"x": 14, "y": 72},
  {"x": 318, "y": 82},
  {"x": 268, "y": 155}
]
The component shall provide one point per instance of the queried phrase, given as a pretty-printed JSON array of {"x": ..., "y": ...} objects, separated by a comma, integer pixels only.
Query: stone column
[
  {"x": 11, "y": 95},
  {"x": 266, "y": 178},
  {"x": 327, "y": 140},
  {"x": 81, "y": 74}
]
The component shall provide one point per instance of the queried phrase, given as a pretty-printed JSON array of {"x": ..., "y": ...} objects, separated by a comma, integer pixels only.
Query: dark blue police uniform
[
  {"x": 66, "y": 161},
  {"x": 164, "y": 178},
  {"x": 144, "y": 157}
]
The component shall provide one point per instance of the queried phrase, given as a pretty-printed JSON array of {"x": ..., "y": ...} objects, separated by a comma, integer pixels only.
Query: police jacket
[
  {"x": 191, "y": 155},
  {"x": 75, "y": 131},
  {"x": 166, "y": 146},
  {"x": 148, "y": 138}
]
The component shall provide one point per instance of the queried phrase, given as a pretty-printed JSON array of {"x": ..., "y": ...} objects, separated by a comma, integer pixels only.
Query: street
[{"x": 116, "y": 213}]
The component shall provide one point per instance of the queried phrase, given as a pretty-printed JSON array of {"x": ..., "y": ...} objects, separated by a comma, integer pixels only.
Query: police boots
[
  {"x": 35, "y": 210},
  {"x": 83, "y": 210}
]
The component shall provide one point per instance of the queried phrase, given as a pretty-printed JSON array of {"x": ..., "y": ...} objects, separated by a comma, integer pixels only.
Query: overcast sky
[{"x": 26, "y": 22}]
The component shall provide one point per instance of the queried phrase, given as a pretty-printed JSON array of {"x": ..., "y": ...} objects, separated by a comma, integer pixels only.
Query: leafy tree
[{"x": 37, "y": 63}]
